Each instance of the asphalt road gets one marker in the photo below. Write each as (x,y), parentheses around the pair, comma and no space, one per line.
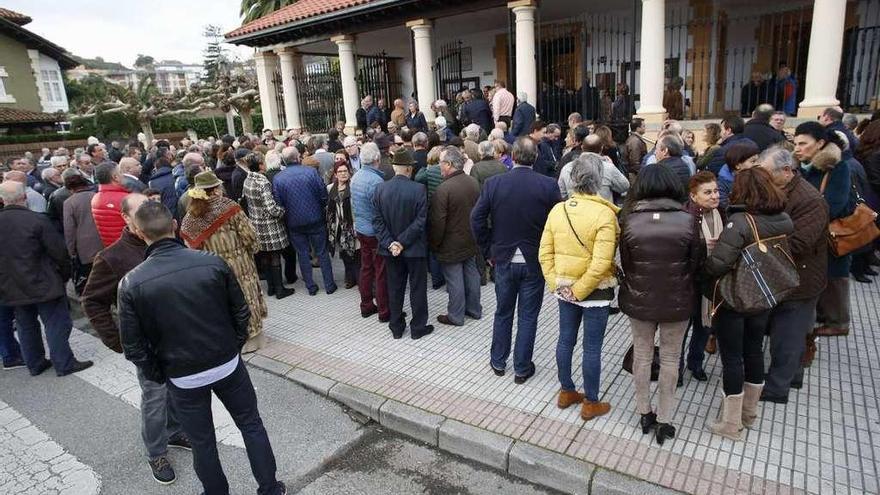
(69,435)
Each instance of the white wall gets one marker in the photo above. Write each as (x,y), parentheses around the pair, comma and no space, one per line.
(50,85)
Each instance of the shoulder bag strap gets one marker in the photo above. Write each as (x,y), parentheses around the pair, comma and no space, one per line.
(576,236)
(754,227)
(824,183)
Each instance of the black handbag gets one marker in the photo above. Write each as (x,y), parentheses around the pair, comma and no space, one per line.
(655,363)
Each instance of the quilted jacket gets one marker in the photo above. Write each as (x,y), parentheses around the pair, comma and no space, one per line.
(107,210)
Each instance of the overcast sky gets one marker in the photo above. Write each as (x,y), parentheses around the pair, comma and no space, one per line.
(118,30)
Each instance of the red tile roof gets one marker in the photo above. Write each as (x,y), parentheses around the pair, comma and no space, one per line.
(19,116)
(302,9)
(14,16)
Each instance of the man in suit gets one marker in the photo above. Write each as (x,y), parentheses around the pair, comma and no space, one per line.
(399,221)
(507,221)
(523,117)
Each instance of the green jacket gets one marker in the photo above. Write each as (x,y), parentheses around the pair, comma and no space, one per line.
(484,169)
(431,177)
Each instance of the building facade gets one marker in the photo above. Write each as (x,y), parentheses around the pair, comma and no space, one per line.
(317,58)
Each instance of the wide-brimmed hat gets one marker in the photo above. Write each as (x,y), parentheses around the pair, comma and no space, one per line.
(402,157)
(206,180)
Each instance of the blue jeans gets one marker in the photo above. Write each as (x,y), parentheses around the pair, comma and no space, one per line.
(9,349)
(193,410)
(313,237)
(595,320)
(515,284)
(55,316)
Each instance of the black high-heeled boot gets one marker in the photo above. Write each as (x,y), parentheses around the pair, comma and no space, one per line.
(647,422)
(664,431)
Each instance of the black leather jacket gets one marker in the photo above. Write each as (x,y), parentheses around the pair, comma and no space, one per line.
(181,312)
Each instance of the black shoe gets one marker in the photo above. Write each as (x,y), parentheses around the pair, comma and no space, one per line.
(276,286)
(427,331)
(437,286)
(162,471)
(313,292)
(13,364)
(396,335)
(520,379)
(444,319)
(664,431)
(776,399)
(333,289)
(797,384)
(283,488)
(871,272)
(863,279)
(370,312)
(497,371)
(180,441)
(77,367)
(40,368)
(680,382)
(648,422)
(613,311)
(700,375)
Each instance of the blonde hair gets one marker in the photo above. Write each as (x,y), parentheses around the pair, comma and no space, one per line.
(434,155)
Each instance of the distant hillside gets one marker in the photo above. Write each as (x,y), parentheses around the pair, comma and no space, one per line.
(98,63)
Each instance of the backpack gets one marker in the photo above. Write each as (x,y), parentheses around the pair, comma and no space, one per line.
(763,276)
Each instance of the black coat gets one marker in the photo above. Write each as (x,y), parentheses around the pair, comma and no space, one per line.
(762,134)
(34,265)
(401,215)
(477,111)
(523,118)
(181,312)
(680,167)
(661,253)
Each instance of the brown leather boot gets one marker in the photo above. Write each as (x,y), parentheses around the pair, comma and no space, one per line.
(590,409)
(568,398)
(825,331)
(810,351)
(711,345)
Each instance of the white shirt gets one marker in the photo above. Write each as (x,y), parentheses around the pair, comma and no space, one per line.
(207,377)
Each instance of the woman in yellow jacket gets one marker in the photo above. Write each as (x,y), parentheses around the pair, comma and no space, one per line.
(577,258)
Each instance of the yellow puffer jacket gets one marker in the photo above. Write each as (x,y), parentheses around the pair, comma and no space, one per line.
(564,261)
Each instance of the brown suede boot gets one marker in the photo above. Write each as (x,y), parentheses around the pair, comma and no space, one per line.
(568,398)
(729,425)
(711,345)
(826,331)
(590,410)
(810,351)
(751,394)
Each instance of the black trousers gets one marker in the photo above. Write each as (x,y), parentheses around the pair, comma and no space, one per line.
(397,271)
(741,344)
(193,409)
(790,322)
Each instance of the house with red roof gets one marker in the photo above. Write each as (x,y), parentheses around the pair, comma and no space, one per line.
(608,60)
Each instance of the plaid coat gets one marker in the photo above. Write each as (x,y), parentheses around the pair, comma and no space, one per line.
(266,215)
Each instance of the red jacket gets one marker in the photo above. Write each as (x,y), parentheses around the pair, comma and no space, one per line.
(107,211)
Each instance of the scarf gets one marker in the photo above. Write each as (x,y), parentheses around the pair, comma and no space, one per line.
(196,230)
(706,305)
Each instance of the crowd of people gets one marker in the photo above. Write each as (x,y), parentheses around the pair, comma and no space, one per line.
(178,237)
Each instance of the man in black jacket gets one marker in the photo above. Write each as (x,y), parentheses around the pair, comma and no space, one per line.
(33,270)
(195,351)
(758,129)
(160,428)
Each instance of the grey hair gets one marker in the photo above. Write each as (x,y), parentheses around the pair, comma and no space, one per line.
(673,144)
(496,134)
(453,156)
(420,139)
(586,173)
(850,120)
(48,173)
(273,160)
(290,155)
(370,154)
(472,131)
(13,193)
(525,152)
(523,96)
(486,149)
(778,157)
(59,160)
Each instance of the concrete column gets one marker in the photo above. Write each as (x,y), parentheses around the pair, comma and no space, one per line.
(526,62)
(423,34)
(348,73)
(288,58)
(651,61)
(823,59)
(265,64)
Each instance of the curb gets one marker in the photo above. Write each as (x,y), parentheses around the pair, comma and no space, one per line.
(520,459)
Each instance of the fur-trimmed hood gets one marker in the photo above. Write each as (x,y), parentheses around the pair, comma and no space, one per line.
(827,158)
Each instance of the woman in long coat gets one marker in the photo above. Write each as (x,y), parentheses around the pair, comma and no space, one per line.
(217,224)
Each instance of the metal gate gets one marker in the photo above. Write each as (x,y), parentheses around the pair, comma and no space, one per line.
(448,68)
(377,76)
(279,98)
(319,88)
(859,83)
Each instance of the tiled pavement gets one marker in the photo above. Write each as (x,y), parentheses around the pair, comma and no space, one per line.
(825,440)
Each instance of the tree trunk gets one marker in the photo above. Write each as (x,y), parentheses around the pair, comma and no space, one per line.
(147,129)
(247,123)
(230,123)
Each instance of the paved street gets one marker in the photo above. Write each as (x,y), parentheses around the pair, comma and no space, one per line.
(826,440)
(80,435)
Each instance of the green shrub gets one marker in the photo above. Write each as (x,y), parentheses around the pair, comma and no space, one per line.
(114,126)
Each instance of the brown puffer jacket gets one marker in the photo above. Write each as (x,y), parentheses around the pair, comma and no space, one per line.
(808,243)
(661,253)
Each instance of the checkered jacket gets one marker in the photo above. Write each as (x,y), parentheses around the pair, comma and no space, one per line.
(266,215)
